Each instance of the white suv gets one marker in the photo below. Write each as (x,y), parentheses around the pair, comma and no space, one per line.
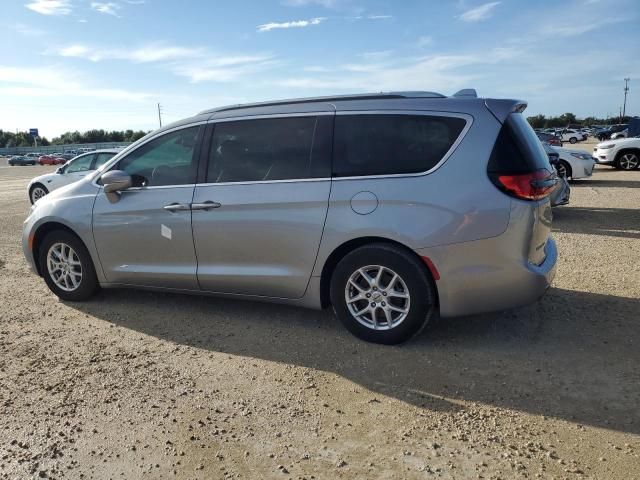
(623,153)
(572,136)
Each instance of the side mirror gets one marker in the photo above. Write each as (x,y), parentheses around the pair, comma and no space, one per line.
(115,181)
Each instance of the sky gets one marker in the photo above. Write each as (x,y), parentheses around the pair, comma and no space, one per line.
(84,64)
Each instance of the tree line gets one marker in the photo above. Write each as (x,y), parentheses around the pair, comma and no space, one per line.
(23,139)
(542,121)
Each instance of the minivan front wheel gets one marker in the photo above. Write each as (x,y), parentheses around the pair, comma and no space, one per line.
(67,267)
(382,294)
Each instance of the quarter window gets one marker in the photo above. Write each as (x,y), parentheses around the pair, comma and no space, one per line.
(264,149)
(391,144)
(166,160)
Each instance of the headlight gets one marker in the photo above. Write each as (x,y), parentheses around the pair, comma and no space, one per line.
(607,146)
(581,156)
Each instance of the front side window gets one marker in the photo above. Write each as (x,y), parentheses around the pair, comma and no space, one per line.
(390,144)
(262,150)
(165,160)
(80,164)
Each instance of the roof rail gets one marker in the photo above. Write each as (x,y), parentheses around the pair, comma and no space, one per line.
(329,99)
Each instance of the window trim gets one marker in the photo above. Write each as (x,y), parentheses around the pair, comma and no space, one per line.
(117,157)
(427,113)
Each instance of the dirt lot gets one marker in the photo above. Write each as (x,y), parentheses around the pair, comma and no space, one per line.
(143,385)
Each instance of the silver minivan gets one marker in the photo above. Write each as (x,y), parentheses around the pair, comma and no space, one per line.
(387,207)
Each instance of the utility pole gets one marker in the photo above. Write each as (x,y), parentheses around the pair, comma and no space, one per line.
(160,115)
(626,89)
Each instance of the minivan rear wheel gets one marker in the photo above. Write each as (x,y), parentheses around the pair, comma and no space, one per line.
(382,293)
(67,267)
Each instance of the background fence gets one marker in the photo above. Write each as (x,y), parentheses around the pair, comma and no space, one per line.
(61,148)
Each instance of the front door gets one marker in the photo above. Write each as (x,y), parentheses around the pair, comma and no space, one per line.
(259,216)
(144,238)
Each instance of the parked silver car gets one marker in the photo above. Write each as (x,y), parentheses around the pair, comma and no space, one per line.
(388,207)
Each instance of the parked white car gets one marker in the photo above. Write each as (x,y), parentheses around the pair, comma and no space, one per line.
(623,153)
(572,136)
(70,172)
(623,134)
(574,164)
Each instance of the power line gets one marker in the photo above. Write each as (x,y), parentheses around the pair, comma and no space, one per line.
(626,90)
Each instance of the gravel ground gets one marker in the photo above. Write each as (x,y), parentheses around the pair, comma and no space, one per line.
(144,385)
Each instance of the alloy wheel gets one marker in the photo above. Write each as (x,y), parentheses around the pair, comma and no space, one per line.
(64,267)
(37,193)
(628,161)
(377,297)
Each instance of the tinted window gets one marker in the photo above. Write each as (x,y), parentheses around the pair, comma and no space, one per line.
(80,164)
(166,160)
(391,144)
(102,158)
(264,149)
(517,148)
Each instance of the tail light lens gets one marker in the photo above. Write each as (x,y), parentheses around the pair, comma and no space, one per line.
(526,186)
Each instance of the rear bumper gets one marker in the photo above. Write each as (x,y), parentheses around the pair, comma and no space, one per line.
(482,276)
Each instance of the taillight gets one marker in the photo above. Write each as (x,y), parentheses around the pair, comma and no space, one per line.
(526,186)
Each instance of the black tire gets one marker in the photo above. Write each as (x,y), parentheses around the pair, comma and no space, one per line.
(88,283)
(573,140)
(413,273)
(635,156)
(32,190)
(567,169)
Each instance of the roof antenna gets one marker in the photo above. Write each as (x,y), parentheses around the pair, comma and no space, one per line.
(466,92)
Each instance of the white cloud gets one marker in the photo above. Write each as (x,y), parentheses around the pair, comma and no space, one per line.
(423,41)
(196,64)
(292,24)
(483,12)
(108,8)
(27,30)
(578,28)
(50,7)
(438,72)
(223,69)
(379,17)
(145,54)
(53,82)
(304,3)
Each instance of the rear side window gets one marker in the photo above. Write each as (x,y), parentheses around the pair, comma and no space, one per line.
(270,149)
(391,144)
(517,149)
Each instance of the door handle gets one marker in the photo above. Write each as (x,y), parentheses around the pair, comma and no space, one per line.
(176,207)
(208,205)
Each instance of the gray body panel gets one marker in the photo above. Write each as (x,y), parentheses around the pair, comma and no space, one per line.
(263,239)
(141,243)
(271,240)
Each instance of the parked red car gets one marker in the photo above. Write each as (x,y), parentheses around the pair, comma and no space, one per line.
(50,160)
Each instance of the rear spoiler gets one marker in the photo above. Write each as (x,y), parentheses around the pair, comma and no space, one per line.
(502,108)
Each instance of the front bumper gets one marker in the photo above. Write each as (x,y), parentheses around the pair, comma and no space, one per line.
(605,156)
(28,231)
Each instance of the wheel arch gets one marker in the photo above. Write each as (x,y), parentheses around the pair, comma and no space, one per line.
(41,232)
(350,245)
(624,150)
(567,165)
